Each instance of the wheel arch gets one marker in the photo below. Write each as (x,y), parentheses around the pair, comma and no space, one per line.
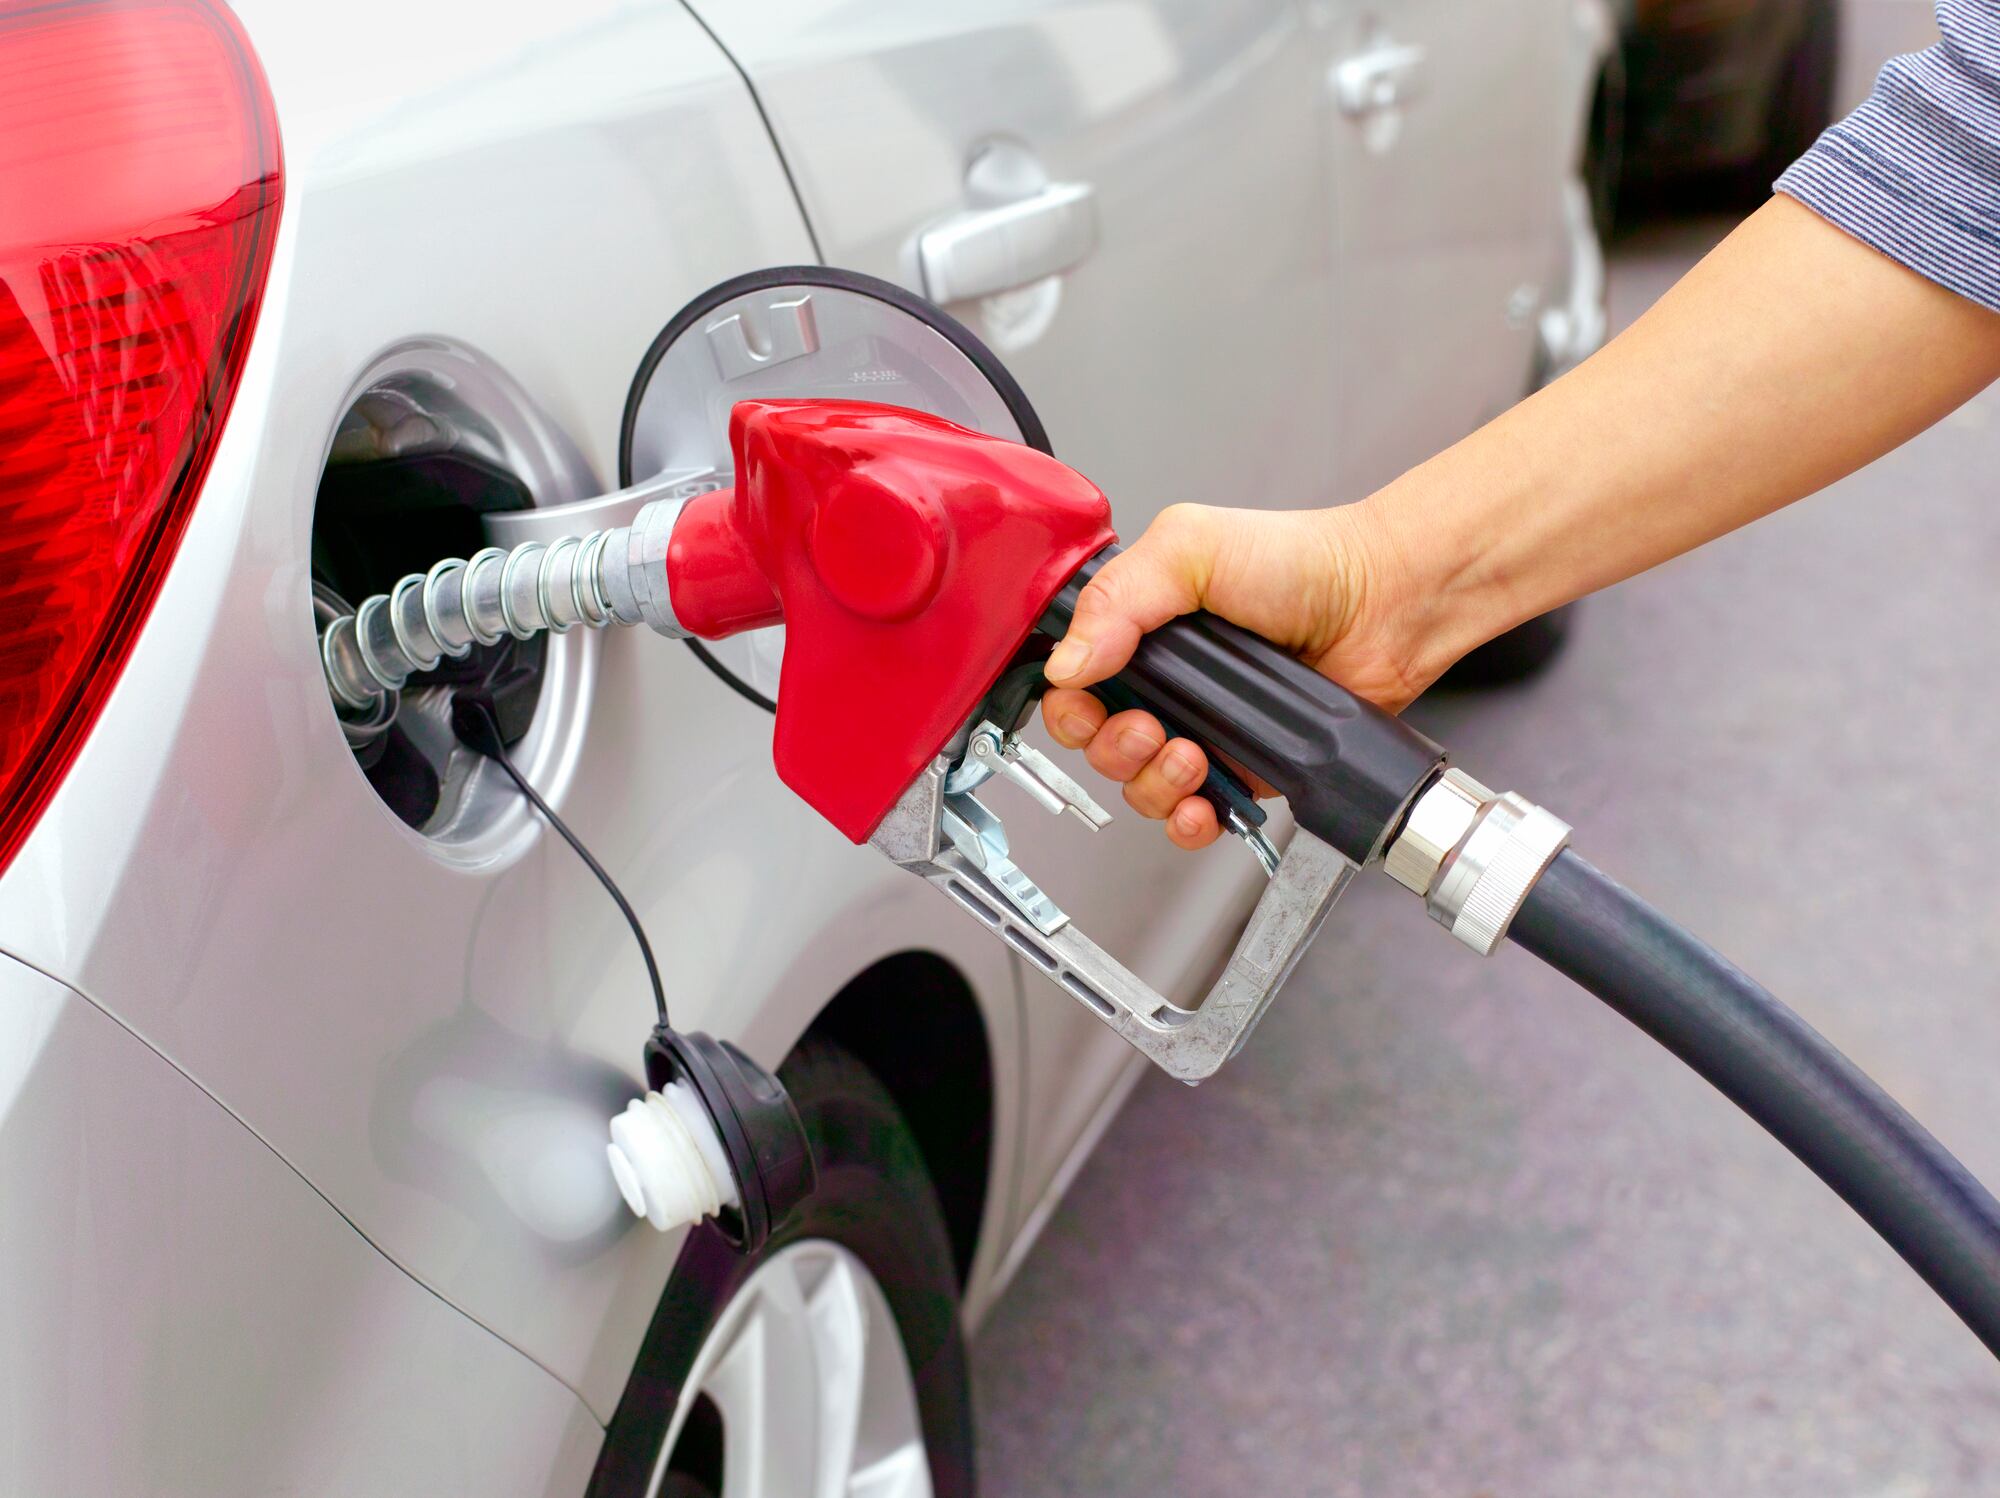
(913,1020)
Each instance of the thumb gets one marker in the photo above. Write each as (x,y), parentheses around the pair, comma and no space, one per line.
(1162,576)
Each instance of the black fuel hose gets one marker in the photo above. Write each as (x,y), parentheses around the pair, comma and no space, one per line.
(1350,772)
(1781,1072)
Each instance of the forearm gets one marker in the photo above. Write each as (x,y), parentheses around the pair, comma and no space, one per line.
(1791,356)
(1788,358)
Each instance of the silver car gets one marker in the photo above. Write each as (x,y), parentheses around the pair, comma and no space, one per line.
(307,1046)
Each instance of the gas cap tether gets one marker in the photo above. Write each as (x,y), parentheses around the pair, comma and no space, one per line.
(717,1136)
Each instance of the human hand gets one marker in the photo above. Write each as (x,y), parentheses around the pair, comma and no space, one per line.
(1321,583)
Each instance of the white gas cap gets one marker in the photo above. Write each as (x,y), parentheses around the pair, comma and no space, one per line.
(668,1160)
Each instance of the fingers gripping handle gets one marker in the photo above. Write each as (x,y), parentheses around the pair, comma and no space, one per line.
(1348,769)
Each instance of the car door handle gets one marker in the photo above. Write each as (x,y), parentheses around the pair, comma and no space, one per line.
(1377,79)
(988,250)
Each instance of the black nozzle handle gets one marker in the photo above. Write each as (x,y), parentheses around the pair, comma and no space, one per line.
(1348,769)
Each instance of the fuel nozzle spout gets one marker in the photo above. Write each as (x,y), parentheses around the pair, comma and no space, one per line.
(716,1137)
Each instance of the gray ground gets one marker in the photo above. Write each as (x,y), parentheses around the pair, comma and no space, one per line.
(1451,1228)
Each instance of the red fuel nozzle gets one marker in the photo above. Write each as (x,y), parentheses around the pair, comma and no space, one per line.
(908,557)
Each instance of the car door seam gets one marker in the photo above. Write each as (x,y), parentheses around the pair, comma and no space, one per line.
(770,132)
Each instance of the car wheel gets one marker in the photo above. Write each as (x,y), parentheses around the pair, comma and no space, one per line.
(830,1362)
(1522,652)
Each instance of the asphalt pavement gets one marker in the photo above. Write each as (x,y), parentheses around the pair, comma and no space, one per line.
(1448,1227)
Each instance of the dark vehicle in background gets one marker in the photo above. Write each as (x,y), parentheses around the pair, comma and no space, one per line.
(1711,96)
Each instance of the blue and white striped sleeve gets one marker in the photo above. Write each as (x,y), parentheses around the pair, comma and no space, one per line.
(1915,171)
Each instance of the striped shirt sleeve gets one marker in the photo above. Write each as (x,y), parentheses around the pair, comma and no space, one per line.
(1915,171)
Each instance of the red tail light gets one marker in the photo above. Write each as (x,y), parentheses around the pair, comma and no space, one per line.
(139,190)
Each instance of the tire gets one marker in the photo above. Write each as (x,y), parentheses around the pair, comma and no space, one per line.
(874,1202)
(1802,97)
(1603,166)
(1523,652)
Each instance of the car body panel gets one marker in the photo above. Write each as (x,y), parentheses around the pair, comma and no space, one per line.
(185,1314)
(1446,206)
